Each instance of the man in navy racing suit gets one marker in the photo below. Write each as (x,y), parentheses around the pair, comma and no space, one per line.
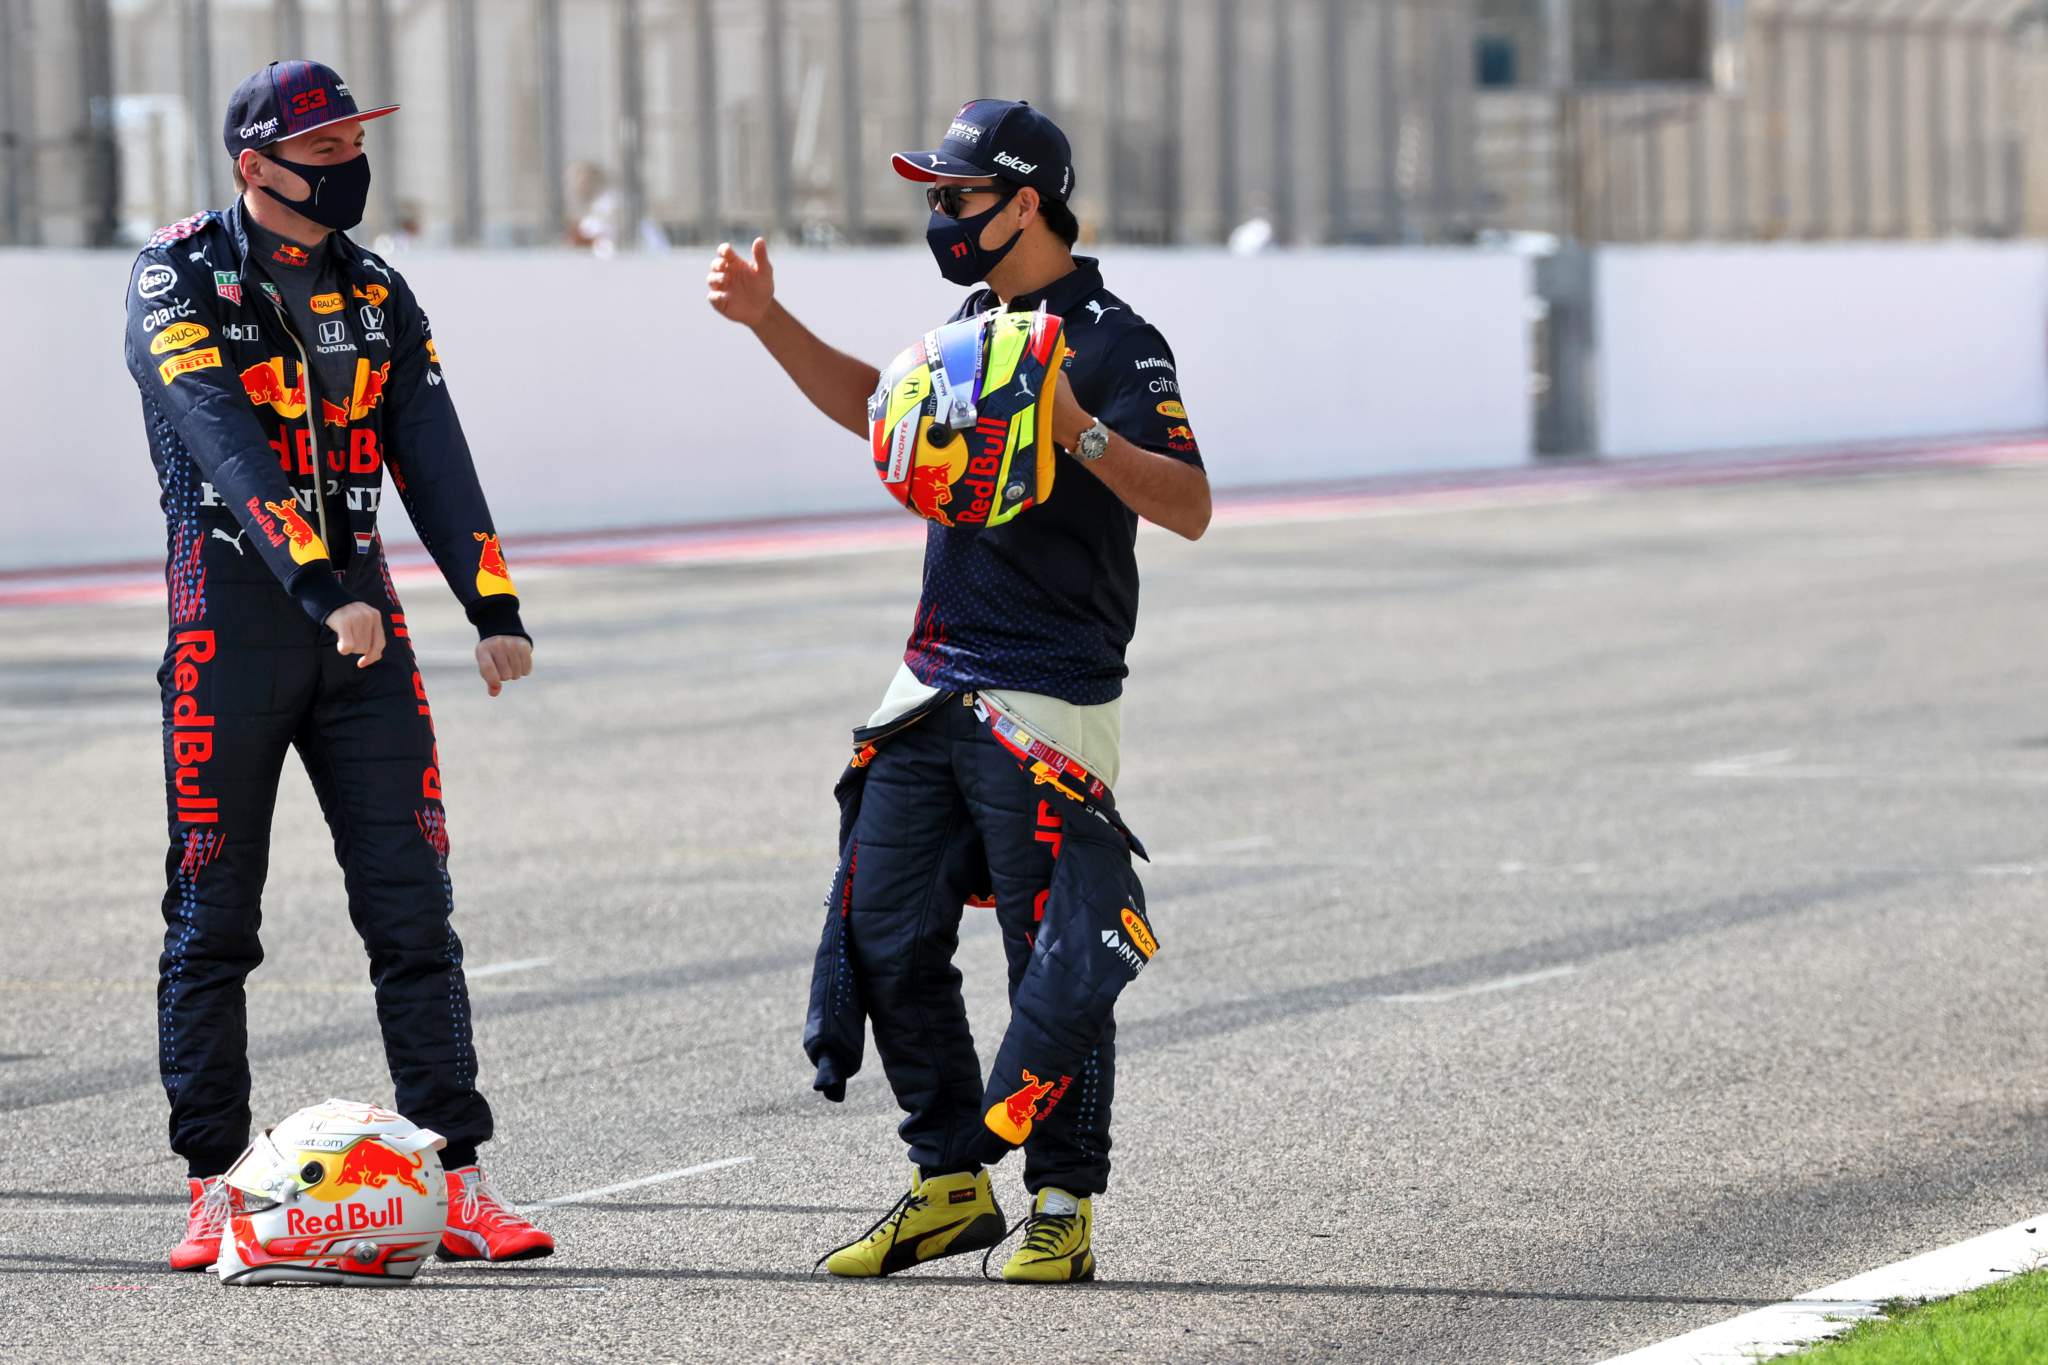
(282,369)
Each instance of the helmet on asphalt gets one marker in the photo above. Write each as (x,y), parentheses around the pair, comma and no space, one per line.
(339,1193)
(962,420)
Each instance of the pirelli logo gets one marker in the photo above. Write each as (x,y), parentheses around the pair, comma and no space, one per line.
(208,359)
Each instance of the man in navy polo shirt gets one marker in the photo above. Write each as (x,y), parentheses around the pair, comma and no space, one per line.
(1022,626)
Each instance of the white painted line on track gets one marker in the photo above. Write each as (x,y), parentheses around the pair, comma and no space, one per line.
(1502,983)
(1832,1309)
(1204,854)
(501,968)
(1773,765)
(1742,765)
(641,1183)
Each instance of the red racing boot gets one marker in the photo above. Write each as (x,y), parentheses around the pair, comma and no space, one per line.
(212,1201)
(483,1227)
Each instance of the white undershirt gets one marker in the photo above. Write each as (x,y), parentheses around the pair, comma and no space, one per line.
(1092,734)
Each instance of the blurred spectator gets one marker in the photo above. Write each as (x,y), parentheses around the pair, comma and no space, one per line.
(1251,237)
(594,205)
(403,237)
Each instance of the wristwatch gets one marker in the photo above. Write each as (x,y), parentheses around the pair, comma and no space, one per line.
(1092,444)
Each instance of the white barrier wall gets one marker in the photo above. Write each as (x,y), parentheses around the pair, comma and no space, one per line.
(606,393)
(1716,348)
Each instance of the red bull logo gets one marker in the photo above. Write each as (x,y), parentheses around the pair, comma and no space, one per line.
(371,1163)
(369,388)
(931,492)
(288,254)
(349,1217)
(943,473)
(492,577)
(191,729)
(1013,1118)
(1180,433)
(306,543)
(264,383)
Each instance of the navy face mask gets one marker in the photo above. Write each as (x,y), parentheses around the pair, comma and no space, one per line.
(956,244)
(340,191)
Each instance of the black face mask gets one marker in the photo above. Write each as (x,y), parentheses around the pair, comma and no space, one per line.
(956,244)
(339,193)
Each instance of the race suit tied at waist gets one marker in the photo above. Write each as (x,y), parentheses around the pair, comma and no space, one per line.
(835,1031)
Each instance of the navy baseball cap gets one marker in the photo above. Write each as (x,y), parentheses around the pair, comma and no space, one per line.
(286,99)
(1007,139)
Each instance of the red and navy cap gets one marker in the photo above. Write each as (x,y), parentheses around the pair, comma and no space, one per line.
(286,99)
(1003,138)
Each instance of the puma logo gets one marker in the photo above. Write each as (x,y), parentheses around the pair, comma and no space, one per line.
(1099,310)
(234,540)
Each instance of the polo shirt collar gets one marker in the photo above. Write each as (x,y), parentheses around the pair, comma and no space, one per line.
(1065,293)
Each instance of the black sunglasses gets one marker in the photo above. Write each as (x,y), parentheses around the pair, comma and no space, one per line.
(950,199)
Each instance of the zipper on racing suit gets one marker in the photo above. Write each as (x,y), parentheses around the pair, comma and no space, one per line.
(312,428)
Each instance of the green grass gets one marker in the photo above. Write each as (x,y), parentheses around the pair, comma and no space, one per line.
(2001,1324)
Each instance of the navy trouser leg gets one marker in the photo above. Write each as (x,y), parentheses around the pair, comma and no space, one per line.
(233,690)
(368,745)
(902,927)
(1024,827)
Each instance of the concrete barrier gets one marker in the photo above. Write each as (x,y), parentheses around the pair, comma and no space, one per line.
(606,393)
(1725,347)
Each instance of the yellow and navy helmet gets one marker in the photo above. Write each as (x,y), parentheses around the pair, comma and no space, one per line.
(962,420)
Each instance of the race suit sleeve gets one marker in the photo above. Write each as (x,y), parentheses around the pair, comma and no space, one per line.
(431,465)
(173,349)
(1144,404)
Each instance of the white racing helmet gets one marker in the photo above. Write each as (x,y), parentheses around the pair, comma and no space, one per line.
(339,1193)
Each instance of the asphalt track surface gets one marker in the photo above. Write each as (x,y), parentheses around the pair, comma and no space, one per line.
(1580,922)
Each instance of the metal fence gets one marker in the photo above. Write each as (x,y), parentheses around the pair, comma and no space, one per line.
(635,124)
(1847,119)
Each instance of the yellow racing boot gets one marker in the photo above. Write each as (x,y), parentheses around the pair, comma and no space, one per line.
(1058,1241)
(947,1215)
